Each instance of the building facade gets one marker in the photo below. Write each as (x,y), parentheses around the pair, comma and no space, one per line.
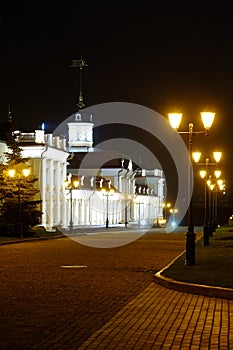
(111,190)
(115,192)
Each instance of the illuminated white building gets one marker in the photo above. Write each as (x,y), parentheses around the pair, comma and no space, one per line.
(47,160)
(138,193)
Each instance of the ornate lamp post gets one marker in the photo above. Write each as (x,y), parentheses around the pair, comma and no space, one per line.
(214,185)
(12,173)
(165,206)
(107,192)
(207,227)
(175,120)
(219,187)
(70,186)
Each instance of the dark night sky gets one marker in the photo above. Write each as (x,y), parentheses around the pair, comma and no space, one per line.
(150,53)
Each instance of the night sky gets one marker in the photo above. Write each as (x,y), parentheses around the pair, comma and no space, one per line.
(154,54)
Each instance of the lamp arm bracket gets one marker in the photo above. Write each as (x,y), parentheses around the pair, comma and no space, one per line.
(194,132)
(209,164)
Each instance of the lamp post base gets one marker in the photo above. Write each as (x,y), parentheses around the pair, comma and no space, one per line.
(20,228)
(210,229)
(190,246)
(215,225)
(71,226)
(206,233)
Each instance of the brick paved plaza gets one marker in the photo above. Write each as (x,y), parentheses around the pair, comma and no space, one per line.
(58,294)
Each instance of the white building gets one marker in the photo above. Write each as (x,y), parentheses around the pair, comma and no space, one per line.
(47,160)
(138,194)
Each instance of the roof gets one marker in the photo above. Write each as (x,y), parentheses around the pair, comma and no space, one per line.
(97,160)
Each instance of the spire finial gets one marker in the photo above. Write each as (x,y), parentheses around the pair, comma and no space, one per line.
(9,116)
(79,64)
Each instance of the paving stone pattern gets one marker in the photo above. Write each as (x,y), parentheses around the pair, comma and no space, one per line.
(160,318)
(112,303)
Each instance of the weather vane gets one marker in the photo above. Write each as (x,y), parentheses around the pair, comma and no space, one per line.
(79,64)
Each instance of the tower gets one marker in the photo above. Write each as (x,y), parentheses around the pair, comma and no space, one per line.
(79,64)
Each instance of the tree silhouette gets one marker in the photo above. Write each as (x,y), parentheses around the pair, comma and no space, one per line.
(18,208)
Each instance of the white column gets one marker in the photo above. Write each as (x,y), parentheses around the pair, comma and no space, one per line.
(57,187)
(64,198)
(50,194)
(43,191)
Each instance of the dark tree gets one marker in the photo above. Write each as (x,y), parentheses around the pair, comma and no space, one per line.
(19,209)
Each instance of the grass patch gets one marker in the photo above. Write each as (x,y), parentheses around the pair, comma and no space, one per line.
(214,263)
(40,232)
(36,232)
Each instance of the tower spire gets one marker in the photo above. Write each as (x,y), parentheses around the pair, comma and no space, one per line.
(9,116)
(79,64)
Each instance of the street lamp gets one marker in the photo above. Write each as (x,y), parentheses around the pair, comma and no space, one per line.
(165,206)
(208,227)
(12,173)
(173,214)
(107,192)
(215,185)
(219,187)
(175,120)
(70,186)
